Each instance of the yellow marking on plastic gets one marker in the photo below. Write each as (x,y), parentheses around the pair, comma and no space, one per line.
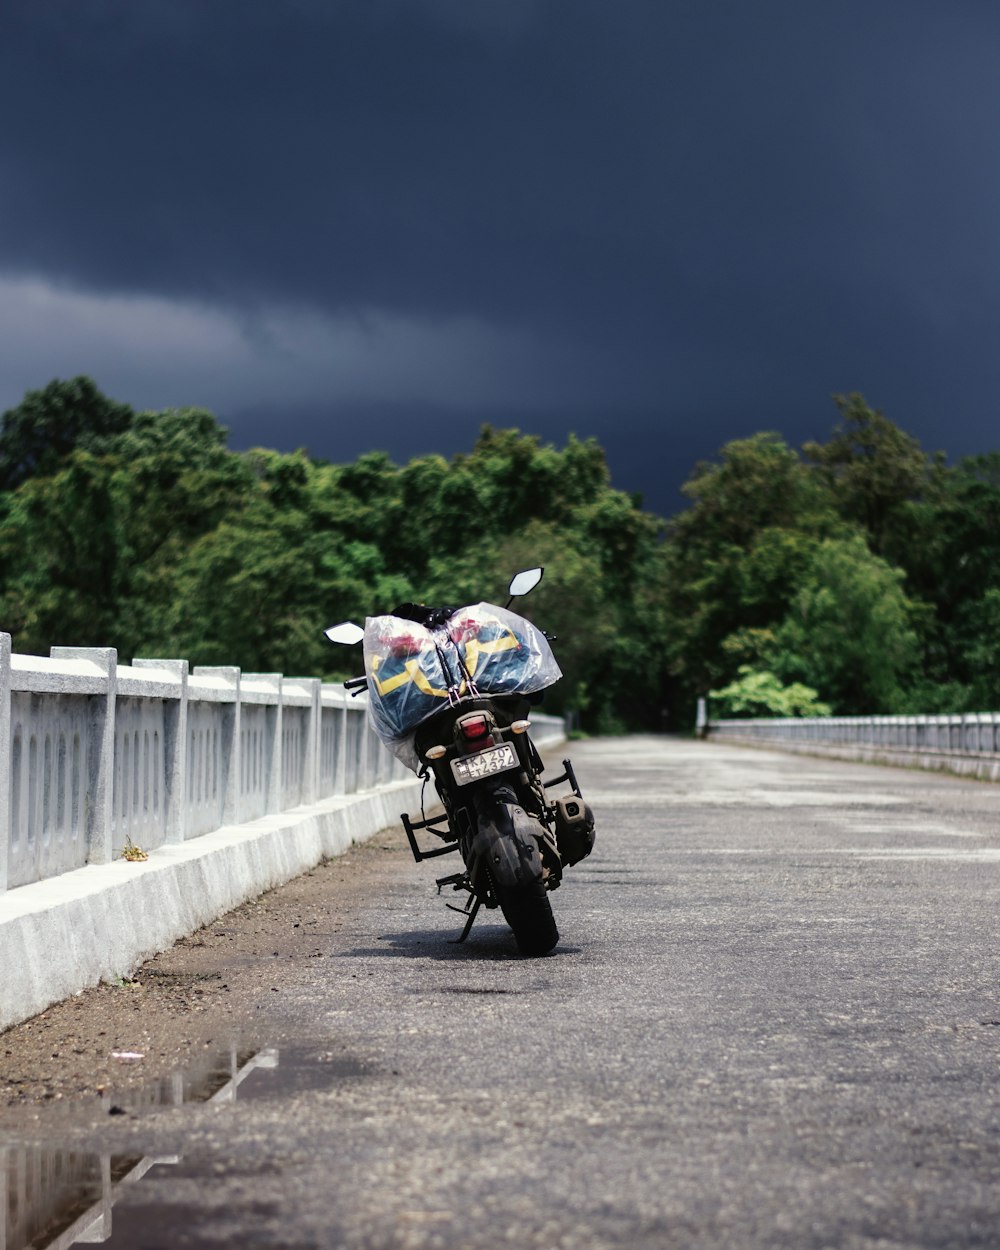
(473,652)
(411,673)
(421,682)
(474,649)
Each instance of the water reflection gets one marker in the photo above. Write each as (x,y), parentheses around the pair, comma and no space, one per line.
(52,1199)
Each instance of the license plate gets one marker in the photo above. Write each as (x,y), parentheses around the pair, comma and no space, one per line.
(484,763)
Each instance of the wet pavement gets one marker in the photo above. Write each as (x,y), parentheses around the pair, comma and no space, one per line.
(57,1197)
(772,1020)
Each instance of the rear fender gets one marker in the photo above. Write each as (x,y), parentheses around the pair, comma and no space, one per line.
(505,841)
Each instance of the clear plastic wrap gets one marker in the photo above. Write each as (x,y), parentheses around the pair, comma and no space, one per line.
(413,670)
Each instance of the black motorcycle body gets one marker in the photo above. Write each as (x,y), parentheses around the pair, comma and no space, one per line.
(513,837)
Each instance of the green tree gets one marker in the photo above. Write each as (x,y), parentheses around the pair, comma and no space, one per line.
(735,558)
(62,580)
(246,594)
(515,502)
(568,603)
(952,559)
(875,471)
(143,531)
(299,554)
(88,553)
(977,625)
(760,693)
(849,633)
(37,435)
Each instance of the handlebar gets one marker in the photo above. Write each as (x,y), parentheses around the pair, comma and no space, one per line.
(356,684)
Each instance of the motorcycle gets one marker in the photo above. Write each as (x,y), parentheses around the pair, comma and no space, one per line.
(450,691)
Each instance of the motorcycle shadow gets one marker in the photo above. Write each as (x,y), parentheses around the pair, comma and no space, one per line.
(487,944)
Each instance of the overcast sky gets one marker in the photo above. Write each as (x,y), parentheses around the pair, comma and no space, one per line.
(358,224)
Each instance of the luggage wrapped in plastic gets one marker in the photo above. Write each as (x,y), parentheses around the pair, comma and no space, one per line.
(413,670)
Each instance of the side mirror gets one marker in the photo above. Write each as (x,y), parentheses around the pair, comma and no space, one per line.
(346,633)
(524,581)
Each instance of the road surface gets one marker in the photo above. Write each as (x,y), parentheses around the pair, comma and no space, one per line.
(773,1020)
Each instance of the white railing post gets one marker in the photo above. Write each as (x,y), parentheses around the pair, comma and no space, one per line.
(340,749)
(229,745)
(175,753)
(5,748)
(101,764)
(314,739)
(364,756)
(274,766)
(276,775)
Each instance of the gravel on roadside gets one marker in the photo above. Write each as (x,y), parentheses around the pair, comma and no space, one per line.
(206,988)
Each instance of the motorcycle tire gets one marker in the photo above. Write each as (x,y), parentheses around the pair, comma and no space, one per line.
(506,847)
(527,910)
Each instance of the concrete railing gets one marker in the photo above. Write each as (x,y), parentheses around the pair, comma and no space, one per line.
(233,783)
(968,743)
(95,754)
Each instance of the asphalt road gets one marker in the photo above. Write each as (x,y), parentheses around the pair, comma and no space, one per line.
(772,1021)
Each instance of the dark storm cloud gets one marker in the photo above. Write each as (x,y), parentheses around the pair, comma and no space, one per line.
(707,217)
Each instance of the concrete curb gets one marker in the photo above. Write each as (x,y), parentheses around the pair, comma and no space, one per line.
(60,936)
(983,767)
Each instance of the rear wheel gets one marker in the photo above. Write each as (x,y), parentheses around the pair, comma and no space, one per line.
(506,849)
(527,910)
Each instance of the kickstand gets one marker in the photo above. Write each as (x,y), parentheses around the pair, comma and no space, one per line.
(468,924)
(460,881)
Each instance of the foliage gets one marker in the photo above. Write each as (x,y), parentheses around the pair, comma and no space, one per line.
(760,693)
(89,552)
(849,628)
(875,472)
(50,423)
(734,559)
(856,575)
(978,625)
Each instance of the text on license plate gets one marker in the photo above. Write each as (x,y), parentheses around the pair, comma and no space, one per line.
(484,763)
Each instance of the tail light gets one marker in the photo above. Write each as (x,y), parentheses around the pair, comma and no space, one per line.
(474,727)
(474,730)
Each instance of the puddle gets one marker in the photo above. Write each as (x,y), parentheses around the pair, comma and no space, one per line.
(51,1199)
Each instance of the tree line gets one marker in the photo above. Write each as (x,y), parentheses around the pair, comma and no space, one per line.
(853,576)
